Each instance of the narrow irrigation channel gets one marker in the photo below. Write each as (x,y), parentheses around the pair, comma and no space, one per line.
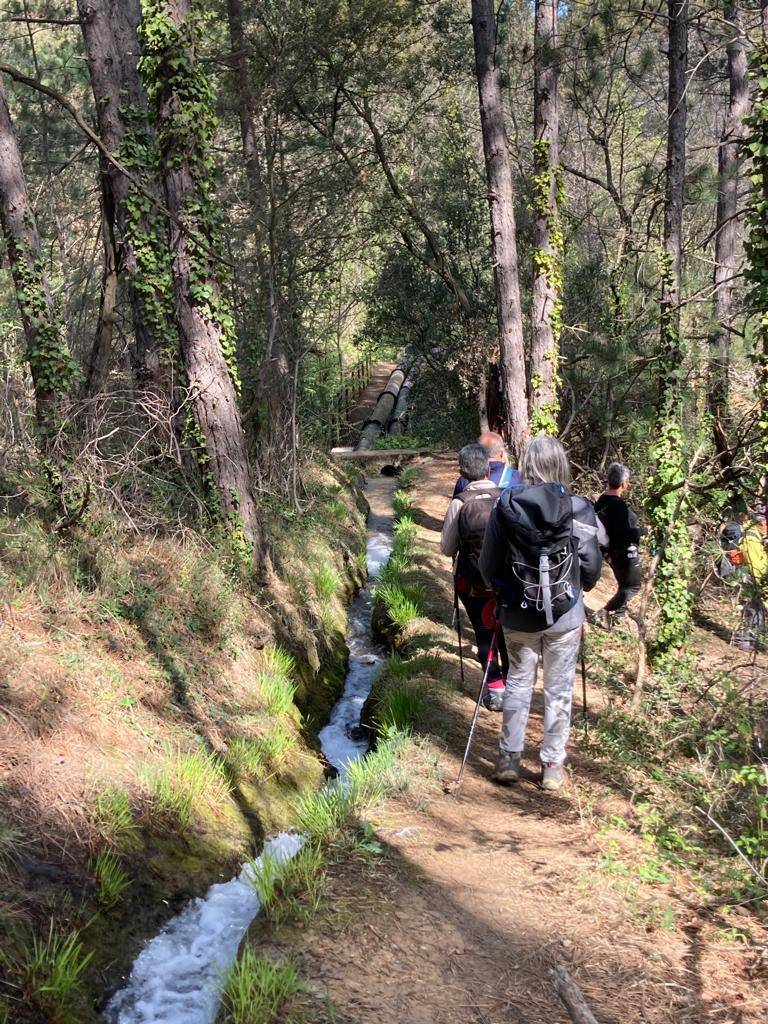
(177,978)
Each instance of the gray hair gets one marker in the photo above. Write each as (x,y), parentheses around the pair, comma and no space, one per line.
(618,474)
(544,462)
(473,461)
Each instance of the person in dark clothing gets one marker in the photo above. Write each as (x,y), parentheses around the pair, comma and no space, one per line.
(462,537)
(624,535)
(500,472)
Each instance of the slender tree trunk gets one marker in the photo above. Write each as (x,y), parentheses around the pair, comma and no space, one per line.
(501,200)
(110,31)
(669,526)
(182,105)
(546,312)
(52,366)
(99,359)
(727,221)
(275,378)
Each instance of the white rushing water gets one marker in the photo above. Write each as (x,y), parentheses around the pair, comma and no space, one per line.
(340,739)
(177,978)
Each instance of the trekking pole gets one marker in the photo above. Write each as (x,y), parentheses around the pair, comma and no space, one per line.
(453,787)
(457,616)
(583,680)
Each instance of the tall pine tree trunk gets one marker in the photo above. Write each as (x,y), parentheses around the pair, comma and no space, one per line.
(727,220)
(52,366)
(182,103)
(501,199)
(667,511)
(275,377)
(546,312)
(140,231)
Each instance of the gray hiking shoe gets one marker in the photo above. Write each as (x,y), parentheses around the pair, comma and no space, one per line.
(552,777)
(507,769)
(493,698)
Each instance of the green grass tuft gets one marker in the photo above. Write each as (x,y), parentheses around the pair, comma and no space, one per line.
(404,602)
(402,505)
(256,989)
(400,706)
(275,682)
(51,968)
(111,878)
(328,582)
(184,781)
(114,817)
(408,478)
(291,889)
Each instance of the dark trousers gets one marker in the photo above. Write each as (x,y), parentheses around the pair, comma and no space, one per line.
(627,573)
(480,611)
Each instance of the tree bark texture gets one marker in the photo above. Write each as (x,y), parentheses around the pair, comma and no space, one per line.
(49,359)
(110,32)
(547,235)
(673,200)
(185,127)
(275,377)
(727,220)
(501,200)
(100,356)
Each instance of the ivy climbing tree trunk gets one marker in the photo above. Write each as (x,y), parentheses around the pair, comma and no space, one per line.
(501,200)
(181,100)
(139,229)
(668,519)
(275,376)
(727,219)
(50,362)
(546,311)
(757,243)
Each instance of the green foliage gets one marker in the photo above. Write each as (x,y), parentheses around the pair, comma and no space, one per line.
(256,990)
(404,602)
(114,817)
(756,245)
(275,681)
(400,706)
(290,890)
(253,758)
(111,878)
(183,782)
(328,582)
(402,504)
(408,478)
(50,968)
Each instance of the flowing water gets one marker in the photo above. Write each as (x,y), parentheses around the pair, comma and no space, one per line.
(176,979)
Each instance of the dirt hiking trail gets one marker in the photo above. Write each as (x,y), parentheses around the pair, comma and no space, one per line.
(478,897)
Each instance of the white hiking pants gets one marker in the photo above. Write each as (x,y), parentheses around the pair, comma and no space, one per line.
(560,652)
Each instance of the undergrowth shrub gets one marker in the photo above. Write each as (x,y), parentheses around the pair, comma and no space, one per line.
(256,989)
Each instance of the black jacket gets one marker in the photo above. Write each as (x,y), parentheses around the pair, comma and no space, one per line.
(620,522)
(493,564)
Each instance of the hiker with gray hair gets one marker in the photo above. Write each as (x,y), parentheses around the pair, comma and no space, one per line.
(462,538)
(624,533)
(539,555)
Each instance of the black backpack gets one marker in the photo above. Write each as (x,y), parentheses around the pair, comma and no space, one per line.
(542,575)
(475,511)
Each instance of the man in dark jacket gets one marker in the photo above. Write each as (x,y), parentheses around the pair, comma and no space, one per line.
(462,538)
(624,535)
(539,555)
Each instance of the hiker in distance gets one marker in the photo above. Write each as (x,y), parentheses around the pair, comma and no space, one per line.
(500,471)
(540,553)
(624,533)
(462,538)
